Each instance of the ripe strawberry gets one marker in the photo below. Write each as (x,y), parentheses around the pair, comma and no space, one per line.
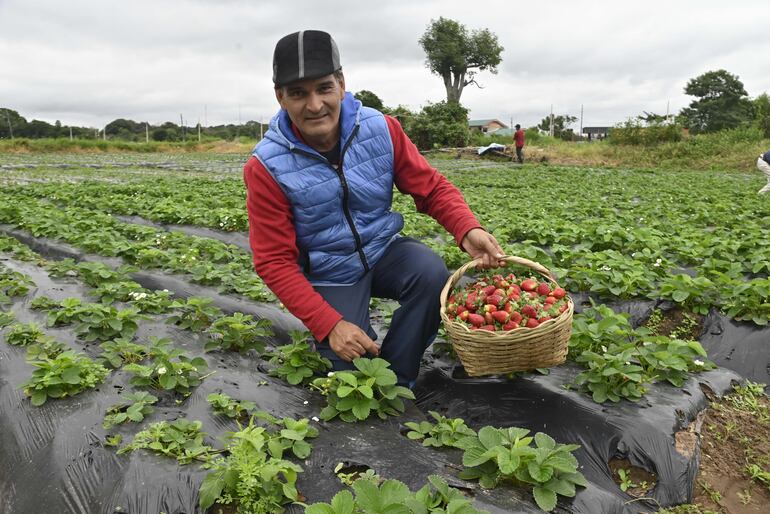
(461,309)
(550,300)
(470,302)
(564,307)
(559,293)
(510,325)
(489,308)
(451,299)
(490,328)
(500,316)
(532,294)
(489,290)
(543,289)
(532,323)
(451,308)
(528,311)
(464,315)
(515,317)
(494,300)
(508,307)
(476,319)
(529,284)
(488,319)
(543,319)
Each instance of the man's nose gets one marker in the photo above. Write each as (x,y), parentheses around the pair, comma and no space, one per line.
(314,102)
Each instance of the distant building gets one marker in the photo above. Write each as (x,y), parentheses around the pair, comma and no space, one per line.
(487,126)
(596,132)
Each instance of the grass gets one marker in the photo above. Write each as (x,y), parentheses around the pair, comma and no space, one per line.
(62,145)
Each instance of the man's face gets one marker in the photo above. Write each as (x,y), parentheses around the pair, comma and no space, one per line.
(314,107)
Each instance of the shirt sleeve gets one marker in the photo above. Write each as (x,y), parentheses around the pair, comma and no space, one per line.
(275,253)
(433,194)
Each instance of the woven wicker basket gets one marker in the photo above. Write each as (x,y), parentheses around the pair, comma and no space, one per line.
(490,353)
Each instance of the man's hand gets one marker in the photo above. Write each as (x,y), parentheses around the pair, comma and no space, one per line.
(481,244)
(348,341)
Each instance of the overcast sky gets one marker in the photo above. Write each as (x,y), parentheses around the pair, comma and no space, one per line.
(87,62)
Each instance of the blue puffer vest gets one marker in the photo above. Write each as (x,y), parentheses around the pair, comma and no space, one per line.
(342,218)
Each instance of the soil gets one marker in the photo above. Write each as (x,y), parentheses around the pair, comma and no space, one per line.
(730,439)
(642,480)
(678,323)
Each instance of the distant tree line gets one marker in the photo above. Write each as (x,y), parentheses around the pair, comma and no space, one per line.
(13,125)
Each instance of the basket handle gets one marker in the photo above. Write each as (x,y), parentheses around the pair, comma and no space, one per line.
(515,260)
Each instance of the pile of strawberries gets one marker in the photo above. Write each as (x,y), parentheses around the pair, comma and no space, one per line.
(500,303)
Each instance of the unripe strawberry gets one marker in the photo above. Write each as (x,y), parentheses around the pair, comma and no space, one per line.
(488,319)
(543,289)
(451,308)
(508,307)
(464,315)
(489,308)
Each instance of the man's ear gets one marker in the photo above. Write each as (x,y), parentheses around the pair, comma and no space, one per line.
(279,96)
(341,81)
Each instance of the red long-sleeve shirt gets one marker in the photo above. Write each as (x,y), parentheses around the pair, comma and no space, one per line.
(273,240)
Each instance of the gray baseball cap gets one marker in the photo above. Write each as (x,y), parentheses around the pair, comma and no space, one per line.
(307,54)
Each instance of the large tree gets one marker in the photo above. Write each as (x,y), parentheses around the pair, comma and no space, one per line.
(456,55)
(369,99)
(561,125)
(722,102)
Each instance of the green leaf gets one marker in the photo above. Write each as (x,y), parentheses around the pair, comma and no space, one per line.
(342,503)
(490,437)
(210,489)
(544,498)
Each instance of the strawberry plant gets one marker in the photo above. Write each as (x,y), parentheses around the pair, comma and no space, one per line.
(43,303)
(444,432)
(13,283)
(249,478)
(135,407)
(195,313)
(151,302)
(394,496)
(297,362)
(598,327)
(697,294)
(181,439)
(663,358)
(6,318)
(288,434)
(102,322)
(170,369)
(65,375)
(22,334)
(353,395)
(122,351)
(507,454)
(123,291)
(748,301)
(612,375)
(45,348)
(223,404)
(239,332)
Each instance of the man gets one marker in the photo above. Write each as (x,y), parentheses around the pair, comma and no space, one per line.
(518,138)
(763,164)
(323,236)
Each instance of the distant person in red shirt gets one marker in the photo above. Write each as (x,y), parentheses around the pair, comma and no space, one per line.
(518,138)
(322,230)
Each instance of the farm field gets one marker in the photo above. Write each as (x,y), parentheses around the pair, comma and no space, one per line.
(114,267)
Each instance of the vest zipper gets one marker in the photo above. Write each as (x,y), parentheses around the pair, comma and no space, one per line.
(345,195)
(345,207)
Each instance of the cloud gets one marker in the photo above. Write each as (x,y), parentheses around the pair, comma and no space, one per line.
(87,62)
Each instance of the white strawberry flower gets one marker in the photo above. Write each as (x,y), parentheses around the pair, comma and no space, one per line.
(162,370)
(330,374)
(698,362)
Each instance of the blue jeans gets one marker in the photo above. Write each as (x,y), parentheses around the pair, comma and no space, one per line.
(411,273)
